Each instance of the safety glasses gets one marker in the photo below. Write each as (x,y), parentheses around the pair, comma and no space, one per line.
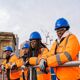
(60,29)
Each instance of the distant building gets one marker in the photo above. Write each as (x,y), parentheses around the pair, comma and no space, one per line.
(8,39)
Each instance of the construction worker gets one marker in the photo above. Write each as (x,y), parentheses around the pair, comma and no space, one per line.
(79,59)
(37,49)
(23,59)
(64,49)
(9,64)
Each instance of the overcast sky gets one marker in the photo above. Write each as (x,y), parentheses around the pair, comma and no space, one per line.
(25,16)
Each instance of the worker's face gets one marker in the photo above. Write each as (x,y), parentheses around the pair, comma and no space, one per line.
(25,50)
(60,32)
(7,52)
(33,43)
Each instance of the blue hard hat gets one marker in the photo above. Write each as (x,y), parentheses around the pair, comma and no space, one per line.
(8,48)
(26,45)
(61,23)
(35,35)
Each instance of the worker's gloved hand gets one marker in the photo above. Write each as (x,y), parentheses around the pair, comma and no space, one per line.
(43,65)
(13,66)
(22,67)
(2,68)
(26,63)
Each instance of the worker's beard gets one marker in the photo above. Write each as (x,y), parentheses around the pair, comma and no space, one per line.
(7,57)
(60,34)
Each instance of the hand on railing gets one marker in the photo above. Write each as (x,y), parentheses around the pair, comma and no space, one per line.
(43,65)
(13,66)
(26,63)
(2,68)
(23,67)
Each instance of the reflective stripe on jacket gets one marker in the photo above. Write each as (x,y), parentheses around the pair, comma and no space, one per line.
(20,63)
(66,50)
(13,59)
(34,61)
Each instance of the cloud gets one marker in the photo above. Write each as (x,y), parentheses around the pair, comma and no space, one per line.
(4,18)
(25,16)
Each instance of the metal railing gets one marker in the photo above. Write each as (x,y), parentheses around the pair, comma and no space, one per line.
(67,64)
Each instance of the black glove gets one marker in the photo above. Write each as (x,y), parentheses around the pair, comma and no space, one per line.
(44,70)
(7,57)
(26,63)
(13,67)
(43,65)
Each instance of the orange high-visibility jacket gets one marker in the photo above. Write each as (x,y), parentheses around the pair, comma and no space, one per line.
(79,59)
(20,63)
(66,50)
(34,61)
(13,75)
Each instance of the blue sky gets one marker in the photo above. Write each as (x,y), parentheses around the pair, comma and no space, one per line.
(25,16)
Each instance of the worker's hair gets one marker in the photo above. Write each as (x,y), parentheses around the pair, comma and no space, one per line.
(37,50)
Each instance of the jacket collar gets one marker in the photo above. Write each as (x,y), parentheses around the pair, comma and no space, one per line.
(64,35)
(12,54)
